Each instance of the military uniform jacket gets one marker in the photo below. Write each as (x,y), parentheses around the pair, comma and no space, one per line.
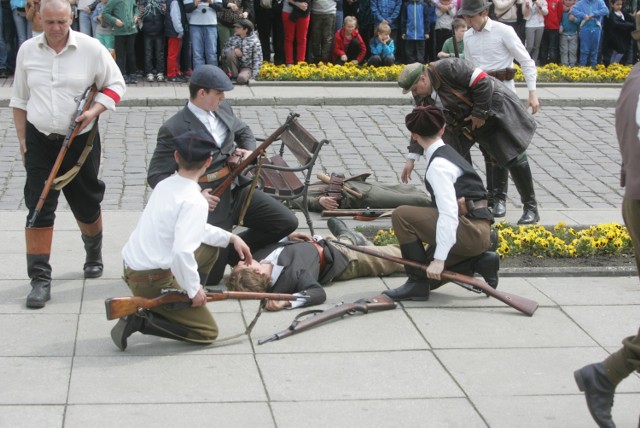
(163,163)
(301,273)
(508,129)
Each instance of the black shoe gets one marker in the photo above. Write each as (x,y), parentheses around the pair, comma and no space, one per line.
(40,294)
(93,266)
(529,216)
(487,265)
(499,208)
(124,328)
(4,73)
(340,230)
(133,79)
(410,290)
(598,391)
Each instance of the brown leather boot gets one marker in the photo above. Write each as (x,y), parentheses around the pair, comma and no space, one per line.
(92,238)
(38,241)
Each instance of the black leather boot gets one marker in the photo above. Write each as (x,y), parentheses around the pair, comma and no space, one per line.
(124,328)
(599,392)
(39,271)
(418,285)
(339,229)
(38,240)
(500,184)
(147,323)
(92,238)
(522,178)
(488,167)
(486,265)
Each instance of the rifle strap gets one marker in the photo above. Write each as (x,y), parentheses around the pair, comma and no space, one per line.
(64,179)
(249,327)
(254,183)
(462,98)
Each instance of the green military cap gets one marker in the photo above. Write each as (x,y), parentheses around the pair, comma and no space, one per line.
(409,76)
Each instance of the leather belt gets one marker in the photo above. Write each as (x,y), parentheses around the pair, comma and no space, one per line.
(474,205)
(147,276)
(213,176)
(504,74)
(323,260)
(56,137)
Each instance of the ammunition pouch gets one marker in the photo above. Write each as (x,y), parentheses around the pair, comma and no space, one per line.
(503,74)
(335,186)
(458,126)
(466,206)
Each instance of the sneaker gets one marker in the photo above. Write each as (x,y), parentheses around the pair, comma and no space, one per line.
(150,77)
(133,79)
(160,77)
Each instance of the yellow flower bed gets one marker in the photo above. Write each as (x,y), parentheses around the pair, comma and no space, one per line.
(561,241)
(615,73)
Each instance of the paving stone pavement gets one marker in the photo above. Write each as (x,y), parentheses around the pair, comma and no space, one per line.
(574,155)
(459,360)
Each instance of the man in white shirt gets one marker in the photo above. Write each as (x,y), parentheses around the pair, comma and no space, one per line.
(52,70)
(173,247)
(457,229)
(493,47)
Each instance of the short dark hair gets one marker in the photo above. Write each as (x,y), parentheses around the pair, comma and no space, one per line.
(190,165)
(193,90)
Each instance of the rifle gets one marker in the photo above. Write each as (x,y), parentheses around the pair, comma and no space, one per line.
(118,307)
(82,106)
(521,304)
(377,303)
(218,191)
(361,215)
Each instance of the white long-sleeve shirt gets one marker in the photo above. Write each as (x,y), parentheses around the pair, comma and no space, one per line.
(442,175)
(46,83)
(171,228)
(495,48)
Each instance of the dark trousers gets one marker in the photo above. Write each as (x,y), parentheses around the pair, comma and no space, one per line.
(266,221)
(414,51)
(270,30)
(126,53)
(84,193)
(549,47)
(154,49)
(185,52)
(352,51)
(442,34)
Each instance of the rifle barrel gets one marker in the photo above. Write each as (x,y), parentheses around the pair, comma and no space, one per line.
(519,303)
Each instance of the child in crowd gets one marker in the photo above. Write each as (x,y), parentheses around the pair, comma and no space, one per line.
(550,37)
(445,13)
(242,55)
(104,31)
(33,16)
(617,31)
(382,47)
(348,44)
(569,35)
(448,49)
(174,28)
(295,20)
(590,13)
(414,24)
(386,11)
(123,15)
(534,12)
(152,14)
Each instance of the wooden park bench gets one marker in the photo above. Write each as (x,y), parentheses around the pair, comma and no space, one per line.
(286,175)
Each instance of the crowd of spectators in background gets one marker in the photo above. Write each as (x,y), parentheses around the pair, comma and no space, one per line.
(162,40)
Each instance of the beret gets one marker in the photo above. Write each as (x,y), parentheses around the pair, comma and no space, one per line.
(425,121)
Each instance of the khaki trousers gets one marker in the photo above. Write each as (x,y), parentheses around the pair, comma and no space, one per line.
(199,322)
(420,223)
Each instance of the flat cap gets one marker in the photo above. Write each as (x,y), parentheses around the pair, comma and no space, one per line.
(472,7)
(211,77)
(409,76)
(425,121)
(194,146)
(244,23)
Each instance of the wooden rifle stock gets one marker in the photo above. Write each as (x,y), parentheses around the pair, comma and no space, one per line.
(362,215)
(218,191)
(377,303)
(118,307)
(522,304)
(84,103)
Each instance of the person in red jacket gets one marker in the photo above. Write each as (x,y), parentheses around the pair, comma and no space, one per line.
(550,44)
(348,44)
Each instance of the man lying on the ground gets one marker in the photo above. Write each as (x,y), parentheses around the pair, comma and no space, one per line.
(345,193)
(300,265)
